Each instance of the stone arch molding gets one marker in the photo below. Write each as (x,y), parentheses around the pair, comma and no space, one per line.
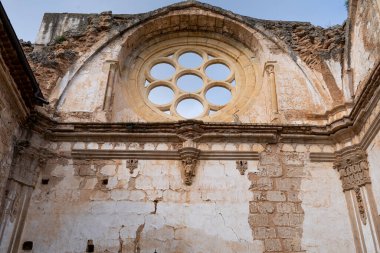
(187,19)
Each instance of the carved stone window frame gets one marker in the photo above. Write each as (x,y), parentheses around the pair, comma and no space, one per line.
(227,51)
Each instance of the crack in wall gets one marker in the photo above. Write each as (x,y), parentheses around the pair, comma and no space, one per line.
(136,242)
(121,242)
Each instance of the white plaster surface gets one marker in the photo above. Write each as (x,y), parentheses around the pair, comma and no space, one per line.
(374,168)
(326,227)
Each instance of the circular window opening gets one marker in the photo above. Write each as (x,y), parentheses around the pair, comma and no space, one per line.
(190,108)
(190,60)
(218,95)
(161,95)
(162,71)
(218,71)
(190,83)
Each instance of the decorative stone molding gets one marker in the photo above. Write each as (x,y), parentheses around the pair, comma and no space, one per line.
(359,200)
(189,157)
(132,164)
(269,69)
(242,166)
(353,169)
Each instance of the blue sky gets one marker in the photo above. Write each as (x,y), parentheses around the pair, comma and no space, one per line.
(26,15)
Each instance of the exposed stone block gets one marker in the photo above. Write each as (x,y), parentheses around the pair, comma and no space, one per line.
(265,207)
(257,220)
(276,196)
(86,170)
(253,207)
(285,207)
(281,219)
(293,196)
(292,158)
(259,196)
(272,245)
(289,232)
(270,171)
(285,184)
(262,183)
(296,219)
(292,244)
(295,171)
(263,233)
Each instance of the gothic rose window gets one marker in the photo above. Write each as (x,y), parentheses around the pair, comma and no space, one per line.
(189,83)
(179,76)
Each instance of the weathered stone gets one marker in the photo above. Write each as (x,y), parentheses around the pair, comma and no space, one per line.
(296,219)
(285,207)
(272,245)
(270,171)
(286,184)
(256,220)
(265,207)
(294,171)
(263,233)
(292,244)
(262,183)
(281,219)
(289,232)
(275,196)
(293,196)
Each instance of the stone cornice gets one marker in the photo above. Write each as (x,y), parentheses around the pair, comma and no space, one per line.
(161,155)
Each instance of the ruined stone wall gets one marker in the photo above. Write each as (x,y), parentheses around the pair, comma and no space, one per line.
(11,117)
(282,203)
(80,47)
(365,42)
(13,195)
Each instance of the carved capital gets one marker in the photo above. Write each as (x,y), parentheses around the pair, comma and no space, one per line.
(353,169)
(241,166)
(132,164)
(189,157)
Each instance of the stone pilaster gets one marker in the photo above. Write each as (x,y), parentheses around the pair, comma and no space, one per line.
(352,165)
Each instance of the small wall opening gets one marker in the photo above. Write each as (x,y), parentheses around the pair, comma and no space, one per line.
(105,181)
(27,245)
(45,181)
(90,246)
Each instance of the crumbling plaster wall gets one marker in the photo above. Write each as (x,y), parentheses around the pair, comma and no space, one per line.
(282,203)
(365,40)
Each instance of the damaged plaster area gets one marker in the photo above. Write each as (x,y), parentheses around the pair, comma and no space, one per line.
(148,210)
